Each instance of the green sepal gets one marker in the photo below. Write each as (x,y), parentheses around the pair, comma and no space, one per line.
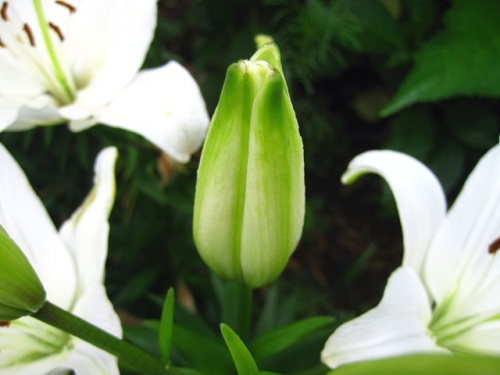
(270,53)
(21,291)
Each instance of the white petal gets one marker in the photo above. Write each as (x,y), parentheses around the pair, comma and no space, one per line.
(18,80)
(8,112)
(86,359)
(398,325)
(418,194)
(25,219)
(166,107)
(482,339)
(22,114)
(42,366)
(106,45)
(458,258)
(29,346)
(86,233)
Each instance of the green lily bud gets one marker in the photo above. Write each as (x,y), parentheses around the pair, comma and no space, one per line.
(250,195)
(21,292)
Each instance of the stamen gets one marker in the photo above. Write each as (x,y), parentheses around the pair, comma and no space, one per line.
(70,7)
(4,324)
(2,44)
(494,246)
(57,30)
(29,33)
(3,11)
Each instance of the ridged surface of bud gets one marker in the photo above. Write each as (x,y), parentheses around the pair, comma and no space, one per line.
(250,194)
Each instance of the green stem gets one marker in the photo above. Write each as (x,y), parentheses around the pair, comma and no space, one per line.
(51,50)
(245,304)
(124,351)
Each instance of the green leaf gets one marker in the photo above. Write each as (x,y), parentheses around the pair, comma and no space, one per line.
(424,364)
(166,326)
(280,339)
(412,131)
(448,164)
(276,309)
(378,31)
(245,364)
(462,60)
(474,123)
(202,352)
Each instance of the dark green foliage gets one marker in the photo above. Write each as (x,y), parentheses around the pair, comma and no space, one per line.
(344,60)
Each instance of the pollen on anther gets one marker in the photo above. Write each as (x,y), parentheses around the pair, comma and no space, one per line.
(494,246)
(71,8)
(29,34)
(57,30)
(2,44)
(3,11)
(4,324)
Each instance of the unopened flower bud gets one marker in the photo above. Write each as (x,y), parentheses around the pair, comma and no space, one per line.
(250,194)
(21,292)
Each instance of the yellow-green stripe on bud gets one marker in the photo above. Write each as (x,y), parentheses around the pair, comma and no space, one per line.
(250,194)
(21,292)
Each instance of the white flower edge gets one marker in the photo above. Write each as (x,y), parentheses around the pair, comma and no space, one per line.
(398,325)
(70,266)
(419,197)
(165,106)
(25,219)
(100,65)
(458,255)
(456,269)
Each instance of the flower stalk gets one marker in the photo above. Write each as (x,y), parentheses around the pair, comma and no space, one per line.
(125,352)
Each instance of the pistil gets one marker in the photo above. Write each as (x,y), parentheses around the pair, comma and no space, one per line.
(44,27)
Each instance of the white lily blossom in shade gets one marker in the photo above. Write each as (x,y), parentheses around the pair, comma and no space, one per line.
(445,296)
(70,263)
(77,61)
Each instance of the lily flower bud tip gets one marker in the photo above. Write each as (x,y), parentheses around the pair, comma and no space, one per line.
(250,194)
(21,291)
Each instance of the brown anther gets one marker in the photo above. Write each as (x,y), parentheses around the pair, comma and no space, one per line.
(57,30)
(70,7)
(3,11)
(4,324)
(494,246)
(2,44)
(29,34)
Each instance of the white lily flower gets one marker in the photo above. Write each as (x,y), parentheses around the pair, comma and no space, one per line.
(76,61)
(70,264)
(445,296)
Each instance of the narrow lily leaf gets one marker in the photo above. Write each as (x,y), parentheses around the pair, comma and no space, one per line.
(283,338)
(202,352)
(166,325)
(245,364)
(462,60)
(424,364)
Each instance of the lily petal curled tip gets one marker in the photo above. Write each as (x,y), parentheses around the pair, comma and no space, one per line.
(448,256)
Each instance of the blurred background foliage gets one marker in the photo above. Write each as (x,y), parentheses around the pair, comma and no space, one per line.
(345,60)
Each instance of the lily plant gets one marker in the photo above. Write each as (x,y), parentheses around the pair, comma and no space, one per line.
(69,263)
(77,61)
(444,297)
